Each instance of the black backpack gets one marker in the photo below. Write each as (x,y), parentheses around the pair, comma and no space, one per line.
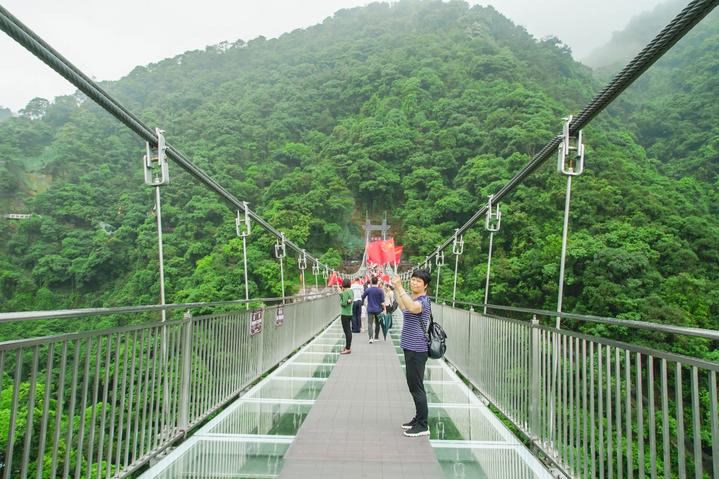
(436,338)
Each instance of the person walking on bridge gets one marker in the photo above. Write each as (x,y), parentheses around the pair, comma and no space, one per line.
(416,311)
(357,290)
(346,300)
(375,305)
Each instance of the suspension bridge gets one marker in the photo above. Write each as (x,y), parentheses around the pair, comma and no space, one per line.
(222,390)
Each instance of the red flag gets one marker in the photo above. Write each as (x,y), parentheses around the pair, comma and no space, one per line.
(374,252)
(334,279)
(397,253)
(387,251)
(381,252)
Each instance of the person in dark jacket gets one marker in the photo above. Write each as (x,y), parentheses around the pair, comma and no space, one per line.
(375,305)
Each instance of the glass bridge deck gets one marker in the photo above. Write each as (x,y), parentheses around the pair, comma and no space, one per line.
(250,437)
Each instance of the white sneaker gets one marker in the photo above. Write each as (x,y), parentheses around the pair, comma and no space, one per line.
(371,340)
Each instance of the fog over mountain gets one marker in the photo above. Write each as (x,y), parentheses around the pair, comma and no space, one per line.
(626,43)
(108,39)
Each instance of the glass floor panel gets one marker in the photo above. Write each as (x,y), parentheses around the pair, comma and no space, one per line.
(300,370)
(284,388)
(462,424)
(488,463)
(323,348)
(437,374)
(330,341)
(212,458)
(328,358)
(446,392)
(266,418)
(251,436)
(433,371)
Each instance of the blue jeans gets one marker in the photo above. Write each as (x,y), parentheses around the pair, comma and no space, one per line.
(356,316)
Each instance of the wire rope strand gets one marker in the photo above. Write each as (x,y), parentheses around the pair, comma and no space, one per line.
(682,23)
(38,47)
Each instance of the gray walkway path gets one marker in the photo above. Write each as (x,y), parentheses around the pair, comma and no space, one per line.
(353,429)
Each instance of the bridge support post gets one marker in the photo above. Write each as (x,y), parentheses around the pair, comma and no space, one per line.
(457,249)
(534,401)
(157,174)
(302,265)
(569,165)
(280,253)
(244,233)
(439,261)
(183,420)
(492,223)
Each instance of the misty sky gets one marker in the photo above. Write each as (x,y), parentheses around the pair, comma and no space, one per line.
(107,39)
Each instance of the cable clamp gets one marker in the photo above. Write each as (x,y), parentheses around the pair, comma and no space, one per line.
(439,259)
(302,260)
(155,162)
(427,264)
(280,249)
(326,273)
(240,221)
(570,155)
(316,268)
(457,244)
(493,220)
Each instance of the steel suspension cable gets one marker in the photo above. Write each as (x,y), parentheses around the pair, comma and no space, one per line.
(692,14)
(38,47)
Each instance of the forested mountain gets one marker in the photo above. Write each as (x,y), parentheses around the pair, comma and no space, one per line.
(422,109)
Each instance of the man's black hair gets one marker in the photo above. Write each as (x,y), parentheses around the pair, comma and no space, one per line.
(422,274)
(374,280)
(346,283)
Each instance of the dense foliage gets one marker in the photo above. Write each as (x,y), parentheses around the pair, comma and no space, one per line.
(420,109)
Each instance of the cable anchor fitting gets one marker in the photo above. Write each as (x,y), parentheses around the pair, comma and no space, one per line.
(280,249)
(240,221)
(302,260)
(439,259)
(493,220)
(458,244)
(570,155)
(316,268)
(155,162)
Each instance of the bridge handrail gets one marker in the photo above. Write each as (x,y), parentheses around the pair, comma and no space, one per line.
(123,395)
(82,312)
(627,323)
(591,405)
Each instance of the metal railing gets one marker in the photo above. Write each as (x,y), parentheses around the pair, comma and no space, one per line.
(595,407)
(103,403)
